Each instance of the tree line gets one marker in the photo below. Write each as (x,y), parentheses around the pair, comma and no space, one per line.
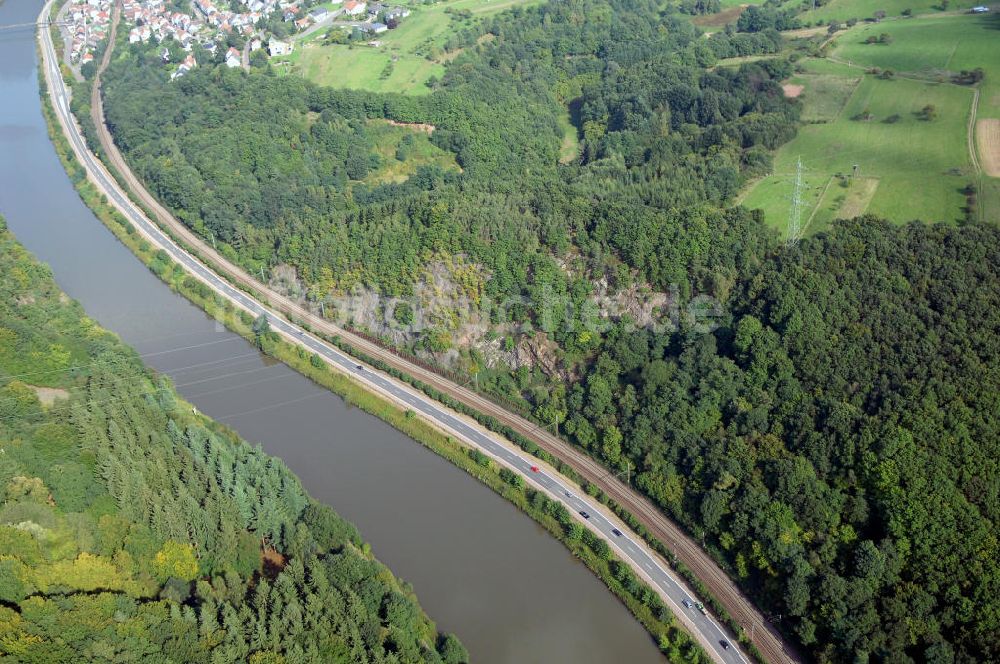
(134,530)
(832,442)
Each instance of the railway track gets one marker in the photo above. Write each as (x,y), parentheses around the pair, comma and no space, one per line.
(763,635)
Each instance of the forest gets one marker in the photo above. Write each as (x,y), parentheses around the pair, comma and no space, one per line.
(833,442)
(836,441)
(273,167)
(135,530)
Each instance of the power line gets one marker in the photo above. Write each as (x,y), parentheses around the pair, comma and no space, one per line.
(141,355)
(795,214)
(36,24)
(270,406)
(121,397)
(119,379)
(206,393)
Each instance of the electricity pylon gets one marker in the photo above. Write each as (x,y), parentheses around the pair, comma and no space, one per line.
(795,215)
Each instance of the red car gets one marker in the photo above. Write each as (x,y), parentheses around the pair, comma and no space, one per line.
(534,469)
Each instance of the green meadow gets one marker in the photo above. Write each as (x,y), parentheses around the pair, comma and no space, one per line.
(865,144)
(365,67)
(404,59)
(842,10)
(907,168)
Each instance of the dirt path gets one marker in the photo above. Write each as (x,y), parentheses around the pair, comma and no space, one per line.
(970,135)
(721,587)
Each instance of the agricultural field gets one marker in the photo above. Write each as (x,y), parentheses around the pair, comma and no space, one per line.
(404,59)
(839,10)
(934,47)
(713,22)
(827,95)
(908,167)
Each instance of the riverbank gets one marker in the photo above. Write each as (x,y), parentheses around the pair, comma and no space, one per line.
(174,271)
(659,531)
(652,615)
(657,620)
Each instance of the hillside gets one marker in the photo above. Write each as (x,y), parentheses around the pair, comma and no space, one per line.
(829,436)
(836,439)
(133,528)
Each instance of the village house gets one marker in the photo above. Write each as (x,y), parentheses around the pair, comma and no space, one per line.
(396,13)
(184,67)
(278,47)
(233,58)
(353,7)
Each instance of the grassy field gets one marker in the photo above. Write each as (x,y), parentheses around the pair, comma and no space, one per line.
(933,47)
(406,57)
(908,167)
(417,151)
(841,10)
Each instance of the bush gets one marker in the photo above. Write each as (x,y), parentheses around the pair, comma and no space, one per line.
(512,478)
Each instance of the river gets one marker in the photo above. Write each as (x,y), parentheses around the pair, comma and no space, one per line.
(480,568)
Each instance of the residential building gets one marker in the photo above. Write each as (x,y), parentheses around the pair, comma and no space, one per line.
(277,47)
(353,7)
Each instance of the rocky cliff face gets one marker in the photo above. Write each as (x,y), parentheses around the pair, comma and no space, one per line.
(447,314)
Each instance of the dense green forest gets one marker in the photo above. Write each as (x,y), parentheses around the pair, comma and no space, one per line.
(838,442)
(274,166)
(834,441)
(134,530)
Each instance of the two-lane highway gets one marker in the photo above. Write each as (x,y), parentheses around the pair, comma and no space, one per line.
(647,564)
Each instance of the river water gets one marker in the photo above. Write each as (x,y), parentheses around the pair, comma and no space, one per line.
(480,568)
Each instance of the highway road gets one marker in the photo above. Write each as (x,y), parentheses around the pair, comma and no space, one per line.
(647,564)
